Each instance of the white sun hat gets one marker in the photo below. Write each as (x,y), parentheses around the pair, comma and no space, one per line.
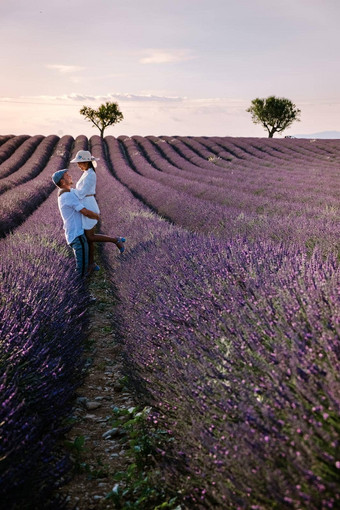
(83,157)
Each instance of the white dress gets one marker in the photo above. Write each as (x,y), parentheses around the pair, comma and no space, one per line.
(87,186)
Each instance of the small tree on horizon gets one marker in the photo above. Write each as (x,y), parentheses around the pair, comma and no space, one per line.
(106,115)
(274,113)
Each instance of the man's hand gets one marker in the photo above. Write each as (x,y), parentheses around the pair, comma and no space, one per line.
(89,214)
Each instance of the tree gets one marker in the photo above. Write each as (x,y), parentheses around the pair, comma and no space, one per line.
(274,113)
(106,115)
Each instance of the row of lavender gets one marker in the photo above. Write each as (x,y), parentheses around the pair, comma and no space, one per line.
(235,344)
(281,152)
(10,144)
(42,327)
(251,189)
(254,157)
(228,211)
(21,154)
(30,184)
(22,170)
(150,237)
(4,138)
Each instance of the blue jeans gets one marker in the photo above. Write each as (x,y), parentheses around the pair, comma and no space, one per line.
(80,249)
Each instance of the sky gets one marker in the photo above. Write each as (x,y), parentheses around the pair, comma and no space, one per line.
(175,67)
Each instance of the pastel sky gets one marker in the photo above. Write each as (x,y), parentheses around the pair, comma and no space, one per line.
(175,67)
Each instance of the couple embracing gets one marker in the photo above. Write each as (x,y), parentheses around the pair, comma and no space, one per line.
(80,212)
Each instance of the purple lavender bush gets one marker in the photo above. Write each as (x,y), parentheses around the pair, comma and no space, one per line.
(20,156)
(19,202)
(229,325)
(239,212)
(4,138)
(42,327)
(235,345)
(242,367)
(10,145)
(32,166)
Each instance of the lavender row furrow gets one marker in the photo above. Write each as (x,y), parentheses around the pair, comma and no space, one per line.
(11,145)
(20,156)
(228,191)
(33,166)
(167,147)
(232,338)
(234,344)
(272,174)
(180,208)
(175,164)
(203,152)
(254,156)
(42,326)
(229,166)
(249,146)
(311,148)
(237,368)
(244,159)
(19,202)
(223,195)
(223,147)
(5,138)
(232,157)
(222,156)
(317,225)
(201,162)
(137,221)
(177,179)
(288,150)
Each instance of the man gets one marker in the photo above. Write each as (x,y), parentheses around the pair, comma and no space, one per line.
(71,210)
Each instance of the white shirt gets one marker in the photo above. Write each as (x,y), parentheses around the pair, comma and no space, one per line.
(69,207)
(86,184)
(85,189)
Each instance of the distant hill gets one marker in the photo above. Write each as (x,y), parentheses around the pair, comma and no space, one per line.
(322,134)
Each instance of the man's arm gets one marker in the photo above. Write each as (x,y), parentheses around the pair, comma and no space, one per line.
(89,214)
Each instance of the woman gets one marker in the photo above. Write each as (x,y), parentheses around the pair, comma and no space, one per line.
(86,192)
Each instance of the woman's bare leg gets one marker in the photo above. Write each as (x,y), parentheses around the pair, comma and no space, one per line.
(92,237)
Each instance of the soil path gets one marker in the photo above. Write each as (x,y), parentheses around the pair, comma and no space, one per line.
(98,458)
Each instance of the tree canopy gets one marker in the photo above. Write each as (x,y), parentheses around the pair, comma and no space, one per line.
(274,113)
(106,115)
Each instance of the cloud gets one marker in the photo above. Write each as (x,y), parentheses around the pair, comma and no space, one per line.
(119,96)
(198,105)
(147,97)
(63,69)
(156,56)
(74,98)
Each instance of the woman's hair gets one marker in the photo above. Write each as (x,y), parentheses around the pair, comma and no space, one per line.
(90,163)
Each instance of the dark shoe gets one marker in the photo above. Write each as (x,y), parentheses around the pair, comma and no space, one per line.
(120,241)
(93,267)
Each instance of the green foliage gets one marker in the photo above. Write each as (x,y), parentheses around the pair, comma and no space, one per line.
(106,115)
(101,470)
(141,486)
(274,113)
(77,449)
(76,446)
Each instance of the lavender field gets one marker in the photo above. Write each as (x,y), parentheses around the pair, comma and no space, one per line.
(228,314)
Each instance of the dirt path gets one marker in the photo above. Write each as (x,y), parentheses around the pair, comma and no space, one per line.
(98,458)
